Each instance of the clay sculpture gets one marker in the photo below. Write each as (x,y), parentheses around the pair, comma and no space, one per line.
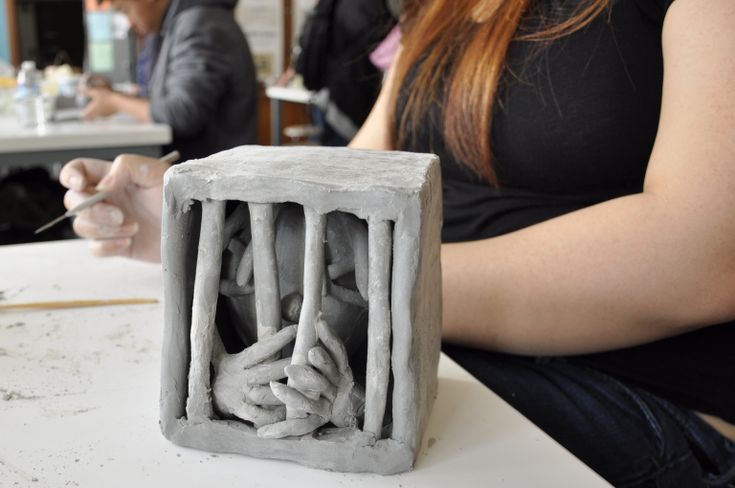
(302,305)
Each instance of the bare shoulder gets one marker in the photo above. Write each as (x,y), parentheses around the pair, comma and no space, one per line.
(691,172)
(695,144)
(703,28)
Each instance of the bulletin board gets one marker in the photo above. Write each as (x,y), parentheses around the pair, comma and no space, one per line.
(109,50)
(263,24)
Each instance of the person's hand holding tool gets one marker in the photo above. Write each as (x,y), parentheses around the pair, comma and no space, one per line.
(127,222)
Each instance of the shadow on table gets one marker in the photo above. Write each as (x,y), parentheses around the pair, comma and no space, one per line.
(463,420)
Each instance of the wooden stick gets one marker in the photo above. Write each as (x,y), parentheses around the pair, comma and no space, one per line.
(77,303)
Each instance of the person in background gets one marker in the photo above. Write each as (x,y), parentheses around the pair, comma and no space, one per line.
(588,265)
(150,45)
(383,55)
(334,61)
(202,78)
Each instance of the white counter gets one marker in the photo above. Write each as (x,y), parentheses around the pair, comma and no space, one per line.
(278,95)
(58,142)
(79,399)
(290,94)
(80,134)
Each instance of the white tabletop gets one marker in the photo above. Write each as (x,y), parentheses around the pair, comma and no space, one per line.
(290,94)
(79,399)
(118,131)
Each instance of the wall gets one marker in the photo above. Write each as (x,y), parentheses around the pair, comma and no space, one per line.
(4,37)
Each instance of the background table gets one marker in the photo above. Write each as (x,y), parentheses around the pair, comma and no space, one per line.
(79,399)
(278,95)
(59,142)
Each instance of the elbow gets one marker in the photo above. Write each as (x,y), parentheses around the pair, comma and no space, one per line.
(185,122)
(717,292)
(722,306)
(710,301)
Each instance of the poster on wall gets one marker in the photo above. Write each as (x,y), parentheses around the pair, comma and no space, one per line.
(262,22)
(5,53)
(108,46)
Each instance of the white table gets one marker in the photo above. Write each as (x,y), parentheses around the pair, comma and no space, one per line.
(58,142)
(79,399)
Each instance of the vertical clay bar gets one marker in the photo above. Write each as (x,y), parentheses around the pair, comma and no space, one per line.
(204,307)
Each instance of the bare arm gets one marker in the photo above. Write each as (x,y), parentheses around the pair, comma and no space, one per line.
(633,269)
(105,102)
(138,107)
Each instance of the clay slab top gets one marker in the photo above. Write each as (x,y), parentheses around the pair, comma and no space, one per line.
(343,168)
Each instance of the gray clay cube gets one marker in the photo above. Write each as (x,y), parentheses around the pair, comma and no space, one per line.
(343,243)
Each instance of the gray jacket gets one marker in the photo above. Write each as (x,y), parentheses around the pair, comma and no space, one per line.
(203,84)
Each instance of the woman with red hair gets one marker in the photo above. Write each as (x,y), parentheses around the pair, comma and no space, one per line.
(588,160)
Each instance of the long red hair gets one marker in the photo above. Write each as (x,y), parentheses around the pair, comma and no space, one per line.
(462,45)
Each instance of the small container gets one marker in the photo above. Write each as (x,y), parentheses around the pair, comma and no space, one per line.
(30,106)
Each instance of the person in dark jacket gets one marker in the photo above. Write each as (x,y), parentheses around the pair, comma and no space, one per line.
(334,61)
(203,81)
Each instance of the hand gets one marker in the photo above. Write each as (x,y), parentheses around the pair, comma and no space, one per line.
(128,223)
(323,391)
(103,102)
(241,380)
(97,81)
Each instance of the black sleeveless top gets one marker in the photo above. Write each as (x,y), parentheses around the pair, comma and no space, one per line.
(574,124)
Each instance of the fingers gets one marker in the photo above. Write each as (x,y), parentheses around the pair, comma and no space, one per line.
(299,403)
(306,378)
(101,213)
(231,289)
(111,247)
(261,395)
(98,81)
(334,346)
(238,220)
(291,306)
(291,427)
(260,416)
(82,173)
(102,229)
(96,91)
(322,361)
(245,268)
(263,374)
(266,348)
(344,410)
(133,169)
(104,224)
(141,171)
(90,111)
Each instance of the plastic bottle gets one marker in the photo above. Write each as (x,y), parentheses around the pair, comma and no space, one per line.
(28,97)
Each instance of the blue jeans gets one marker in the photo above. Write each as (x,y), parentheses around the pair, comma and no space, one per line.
(630,437)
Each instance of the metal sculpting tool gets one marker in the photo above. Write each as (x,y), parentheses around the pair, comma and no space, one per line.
(169,158)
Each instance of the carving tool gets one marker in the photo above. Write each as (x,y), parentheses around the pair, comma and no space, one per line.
(169,158)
